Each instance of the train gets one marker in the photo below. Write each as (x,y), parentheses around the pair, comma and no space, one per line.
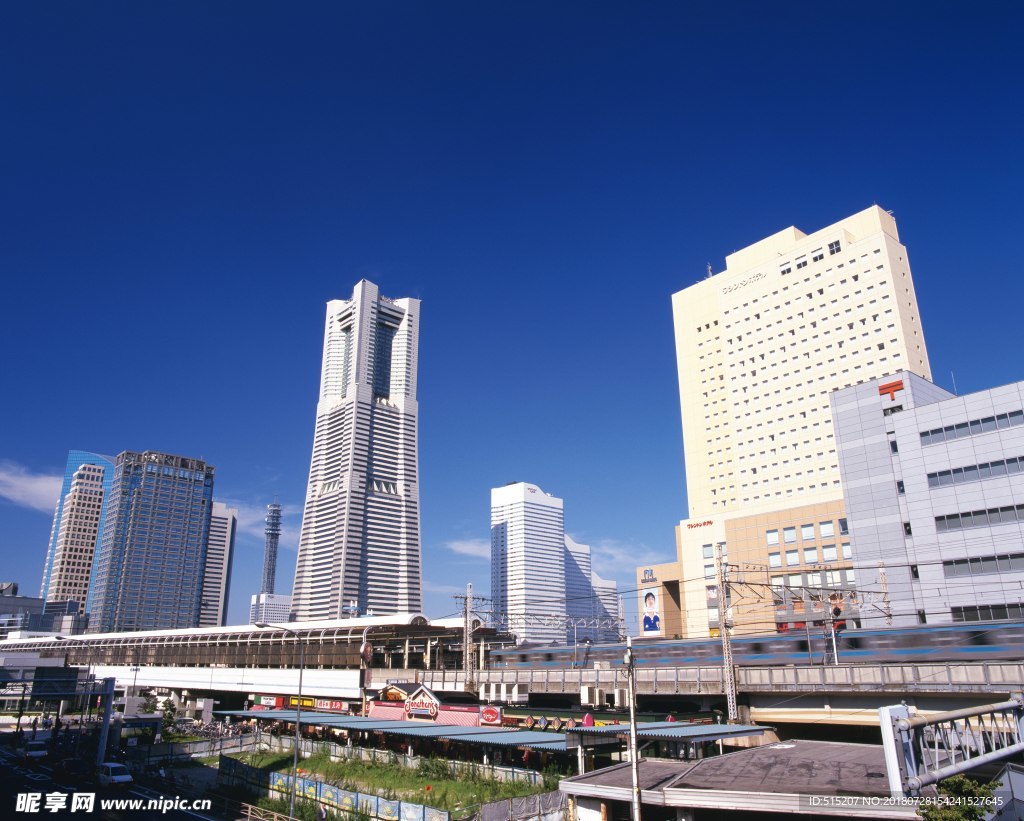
(977,641)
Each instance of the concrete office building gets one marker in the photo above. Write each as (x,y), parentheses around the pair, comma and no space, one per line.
(77,523)
(760,347)
(360,535)
(220,550)
(270,607)
(542,579)
(149,566)
(76,530)
(934,487)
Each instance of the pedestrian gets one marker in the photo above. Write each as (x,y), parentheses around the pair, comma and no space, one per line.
(321,813)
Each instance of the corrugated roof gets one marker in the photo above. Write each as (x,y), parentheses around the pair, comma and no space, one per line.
(675,730)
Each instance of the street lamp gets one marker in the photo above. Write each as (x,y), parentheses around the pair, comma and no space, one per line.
(82,716)
(298,706)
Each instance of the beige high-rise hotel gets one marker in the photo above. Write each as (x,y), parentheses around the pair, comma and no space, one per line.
(760,346)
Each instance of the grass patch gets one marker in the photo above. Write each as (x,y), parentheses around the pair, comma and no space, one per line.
(431,783)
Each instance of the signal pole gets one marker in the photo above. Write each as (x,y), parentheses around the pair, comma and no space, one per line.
(634,754)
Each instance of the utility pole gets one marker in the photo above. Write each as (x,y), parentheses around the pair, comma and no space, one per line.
(634,753)
(467,635)
(883,583)
(728,672)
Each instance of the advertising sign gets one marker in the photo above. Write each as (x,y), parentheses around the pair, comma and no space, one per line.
(650,616)
(331,704)
(490,715)
(422,704)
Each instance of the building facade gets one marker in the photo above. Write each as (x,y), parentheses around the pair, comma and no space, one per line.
(360,535)
(542,580)
(77,523)
(220,550)
(934,488)
(760,347)
(270,607)
(149,566)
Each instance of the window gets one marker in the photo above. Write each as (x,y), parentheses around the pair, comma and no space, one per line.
(972,427)
(789,534)
(775,560)
(907,530)
(834,247)
(827,530)
(811,555)
(987,612)
(708,551)
(792,557)
(921,617)
(900,487)
(807,532)
(847,552)
(773,537)
(979,518)
(844,529)
(893,447)
(709,571)
(778,581)
(828,553)
(914,572)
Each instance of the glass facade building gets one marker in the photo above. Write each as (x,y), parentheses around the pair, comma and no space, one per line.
(149,567)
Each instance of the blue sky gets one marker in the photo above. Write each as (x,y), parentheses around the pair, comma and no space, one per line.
(186,184)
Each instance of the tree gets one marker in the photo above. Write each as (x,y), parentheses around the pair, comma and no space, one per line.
(170,713)
(149,703)
(971,795)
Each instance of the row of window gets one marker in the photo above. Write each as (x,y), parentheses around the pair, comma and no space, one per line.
(826,530)
(987,612)
(972,473)
(829,553)
(973,427)
(984,564)
(826,578)
(979,518)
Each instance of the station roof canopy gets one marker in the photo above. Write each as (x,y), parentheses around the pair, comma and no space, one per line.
(482,736)
(675,731)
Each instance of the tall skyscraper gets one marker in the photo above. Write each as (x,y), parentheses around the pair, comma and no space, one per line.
(273,535)
(542,579)
(149,567)
(360,536)
(220,548)
(77,523)
(760,347)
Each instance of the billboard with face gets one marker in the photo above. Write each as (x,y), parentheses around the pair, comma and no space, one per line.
(650,617)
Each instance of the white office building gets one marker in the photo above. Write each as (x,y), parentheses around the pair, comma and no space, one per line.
(760,347)
(77,523)
(934,488)
(541,579)
(220,547)
(273,608)
(360,536)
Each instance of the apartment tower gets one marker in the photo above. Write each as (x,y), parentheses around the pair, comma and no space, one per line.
(760,347)
(150,565)
(360,535)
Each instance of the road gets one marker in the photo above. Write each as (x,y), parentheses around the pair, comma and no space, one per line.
(18,779)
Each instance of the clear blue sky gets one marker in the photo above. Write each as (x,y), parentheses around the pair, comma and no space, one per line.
(186,184)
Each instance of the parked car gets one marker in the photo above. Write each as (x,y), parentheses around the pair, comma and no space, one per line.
(112,774)
(73,771)
(33,751)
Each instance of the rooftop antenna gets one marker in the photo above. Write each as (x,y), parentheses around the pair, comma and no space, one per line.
(710,273)
(953,377)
